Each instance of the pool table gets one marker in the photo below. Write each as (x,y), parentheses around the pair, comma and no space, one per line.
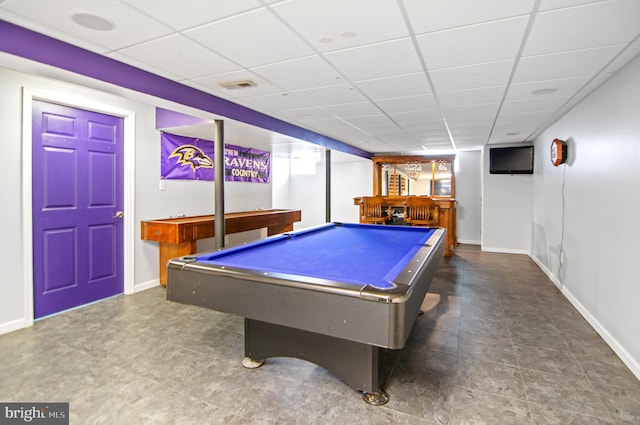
(343,296)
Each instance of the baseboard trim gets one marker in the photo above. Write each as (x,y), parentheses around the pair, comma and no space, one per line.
(139,287)
(468,241)
(14,325)
(612,342)
(504,250)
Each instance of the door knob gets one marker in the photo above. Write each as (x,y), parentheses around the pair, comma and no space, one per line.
(119,214)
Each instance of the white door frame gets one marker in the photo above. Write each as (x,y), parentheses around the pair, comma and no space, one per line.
(59,97)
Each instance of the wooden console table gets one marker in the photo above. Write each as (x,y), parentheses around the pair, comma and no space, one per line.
(447,218)
(177,236)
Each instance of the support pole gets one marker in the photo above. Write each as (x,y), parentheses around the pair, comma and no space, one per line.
(327,162)
(218,154)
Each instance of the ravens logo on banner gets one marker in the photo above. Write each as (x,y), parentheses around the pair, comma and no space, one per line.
(192,156)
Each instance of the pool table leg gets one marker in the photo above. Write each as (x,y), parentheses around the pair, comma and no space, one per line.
(364,367)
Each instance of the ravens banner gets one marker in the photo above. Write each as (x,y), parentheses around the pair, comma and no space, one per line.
(187,158)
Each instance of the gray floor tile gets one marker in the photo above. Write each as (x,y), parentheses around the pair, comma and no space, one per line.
(496,344)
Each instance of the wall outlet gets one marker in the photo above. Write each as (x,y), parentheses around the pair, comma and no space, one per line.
(163,185)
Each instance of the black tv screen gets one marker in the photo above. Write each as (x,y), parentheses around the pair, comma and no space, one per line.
(511,160)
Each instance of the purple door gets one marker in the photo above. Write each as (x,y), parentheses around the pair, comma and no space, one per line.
(77,207)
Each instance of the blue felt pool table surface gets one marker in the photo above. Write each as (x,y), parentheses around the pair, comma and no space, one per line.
(357,254)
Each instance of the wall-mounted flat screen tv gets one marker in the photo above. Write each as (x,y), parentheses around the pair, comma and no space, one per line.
(511,160)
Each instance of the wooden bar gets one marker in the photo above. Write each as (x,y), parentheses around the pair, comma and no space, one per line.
(447,218)
(177,236)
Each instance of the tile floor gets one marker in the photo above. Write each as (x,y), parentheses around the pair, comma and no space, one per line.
(497,344)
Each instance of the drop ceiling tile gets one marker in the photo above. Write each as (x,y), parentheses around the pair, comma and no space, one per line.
(566,87)
(175,53)
(427,127)
(262,87)
(219,93)
(344,131)
(471,122)
(434,15)
(517,126)
(27,22)
(131,26)
(521,118)
(276,102)
(397,86)
(332,124)
(498,139)
(377,60)
(589,88)
(471,96)
(480,43)
(404,118)
(471,77)
(332,95)
(337,24)
(559,4)
(483,109)
(584,27)
(625,56)
(549,105)
(407,104)
(144,66)
(572,64)
(304,73)
(189,13)
(237,39)
(363,122)
(467,135)
(305,114)
(352,109)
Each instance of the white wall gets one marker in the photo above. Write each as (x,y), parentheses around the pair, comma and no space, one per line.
(585,213)
(180,197)
(506,210)
(469,196)
(304,192)
(351,177)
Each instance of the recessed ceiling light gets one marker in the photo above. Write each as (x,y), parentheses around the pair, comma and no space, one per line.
(349,34)
(540,92)
(92,22)
(325,40)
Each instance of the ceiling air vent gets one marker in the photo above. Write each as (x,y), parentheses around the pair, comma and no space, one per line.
(234,85)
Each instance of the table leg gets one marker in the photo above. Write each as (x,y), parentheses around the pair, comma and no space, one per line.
(364,367)
(173,250)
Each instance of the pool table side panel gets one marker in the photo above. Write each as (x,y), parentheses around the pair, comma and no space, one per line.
(340,316)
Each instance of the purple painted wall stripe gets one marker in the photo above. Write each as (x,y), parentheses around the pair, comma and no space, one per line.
(28,44)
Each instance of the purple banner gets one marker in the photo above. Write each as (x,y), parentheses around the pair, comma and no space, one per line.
(186,158)
(246,164)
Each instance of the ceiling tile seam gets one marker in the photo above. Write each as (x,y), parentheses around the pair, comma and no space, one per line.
(555,116)
(516,62)
(574,6)
(184,33)
(475,24)
(330,64)
(194,27)
(584,49)
(414,41)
